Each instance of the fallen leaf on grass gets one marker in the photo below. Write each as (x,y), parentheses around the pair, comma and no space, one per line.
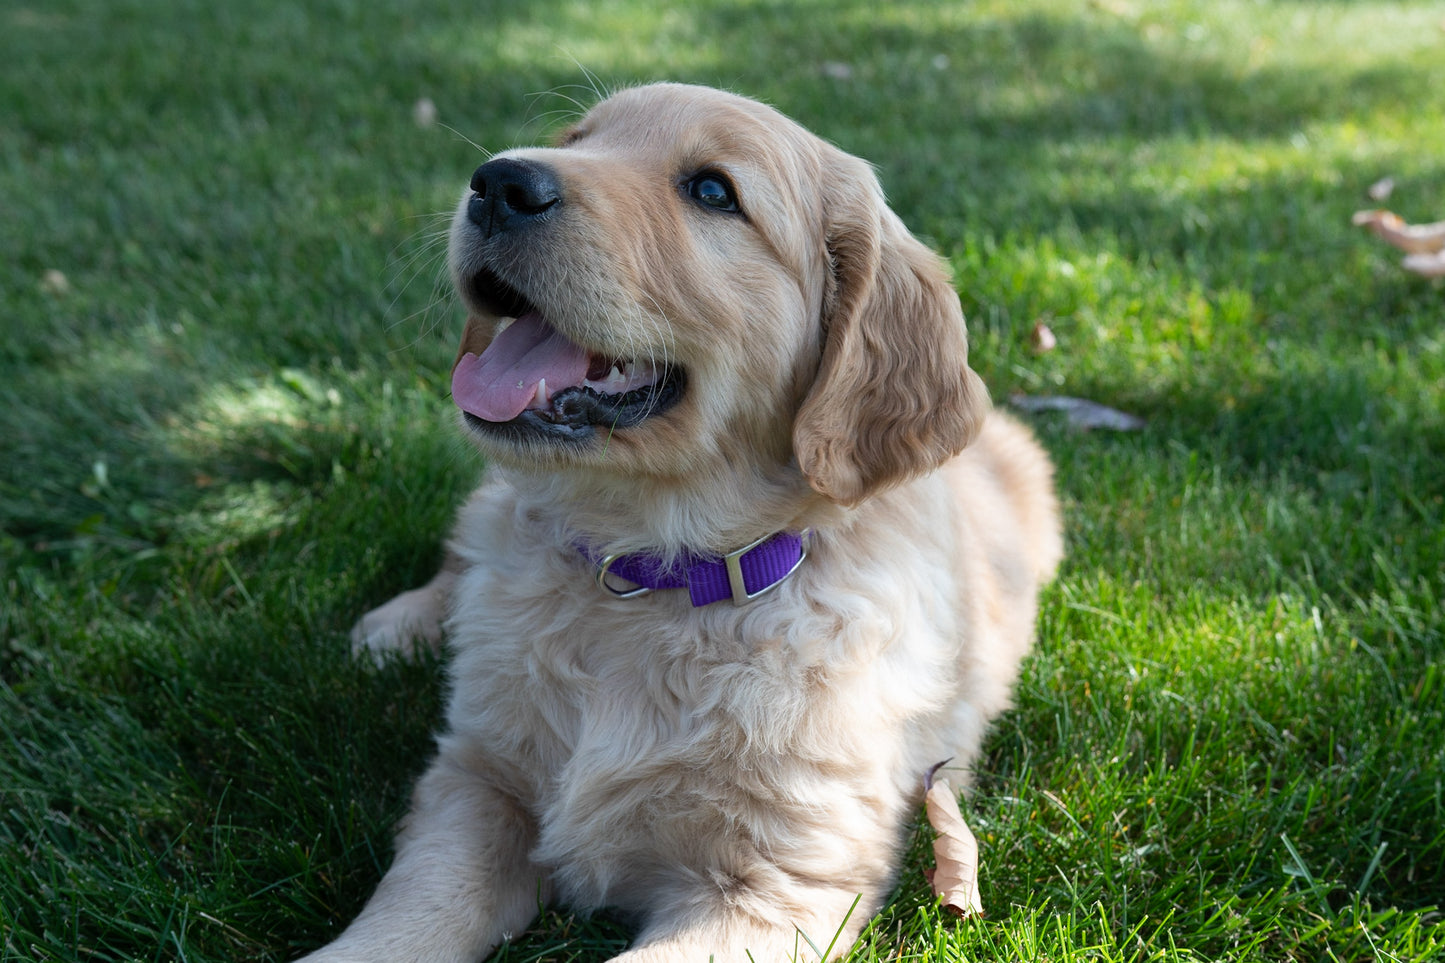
(1410,238)
(1381,189)
(1429,265)
(55,282)
(1042,339)
(955,850)
(1081,412)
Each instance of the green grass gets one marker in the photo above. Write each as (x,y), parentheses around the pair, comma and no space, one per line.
(227,434)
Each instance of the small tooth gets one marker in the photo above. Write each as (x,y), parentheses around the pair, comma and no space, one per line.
(541,397)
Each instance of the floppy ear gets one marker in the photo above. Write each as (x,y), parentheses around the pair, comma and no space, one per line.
(894,396)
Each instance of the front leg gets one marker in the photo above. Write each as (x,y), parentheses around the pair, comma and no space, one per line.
(460,884)
(409,621)
(733,925)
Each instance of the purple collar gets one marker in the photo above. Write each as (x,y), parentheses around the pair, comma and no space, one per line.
(741,576)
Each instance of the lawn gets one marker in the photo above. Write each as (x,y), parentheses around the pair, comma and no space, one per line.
(225,432)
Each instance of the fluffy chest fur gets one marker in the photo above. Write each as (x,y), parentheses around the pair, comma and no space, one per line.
(642,733)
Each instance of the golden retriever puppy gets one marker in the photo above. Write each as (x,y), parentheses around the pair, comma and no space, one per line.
(731,588)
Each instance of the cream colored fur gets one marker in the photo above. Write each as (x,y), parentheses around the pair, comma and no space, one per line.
(730,775)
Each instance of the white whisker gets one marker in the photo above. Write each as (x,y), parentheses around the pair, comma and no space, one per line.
(660,349)
(480,149)
(422,255)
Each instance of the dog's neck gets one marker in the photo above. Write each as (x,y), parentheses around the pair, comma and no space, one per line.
(738,576)
(669,520)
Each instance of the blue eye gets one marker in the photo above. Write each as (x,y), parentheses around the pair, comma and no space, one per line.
(713,191)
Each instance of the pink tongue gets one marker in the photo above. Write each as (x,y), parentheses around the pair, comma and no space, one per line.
(501,382)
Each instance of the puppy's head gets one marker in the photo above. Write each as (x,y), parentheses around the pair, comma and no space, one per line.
(689,283)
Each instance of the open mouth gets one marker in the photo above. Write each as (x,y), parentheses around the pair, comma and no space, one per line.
(531,379)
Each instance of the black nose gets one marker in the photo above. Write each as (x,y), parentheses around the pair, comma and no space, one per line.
(509,194)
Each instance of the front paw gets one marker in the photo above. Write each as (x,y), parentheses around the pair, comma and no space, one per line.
(409,622)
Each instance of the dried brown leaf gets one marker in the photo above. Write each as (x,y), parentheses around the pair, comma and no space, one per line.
(955,852)
(1410,238)
(1429,265)
(1042,339)
(55,282)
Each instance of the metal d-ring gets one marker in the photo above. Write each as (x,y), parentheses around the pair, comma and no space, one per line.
(602,568)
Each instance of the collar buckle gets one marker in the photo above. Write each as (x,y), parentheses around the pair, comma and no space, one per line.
(734,564)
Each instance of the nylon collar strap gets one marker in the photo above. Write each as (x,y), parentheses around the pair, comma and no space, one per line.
(742,575)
